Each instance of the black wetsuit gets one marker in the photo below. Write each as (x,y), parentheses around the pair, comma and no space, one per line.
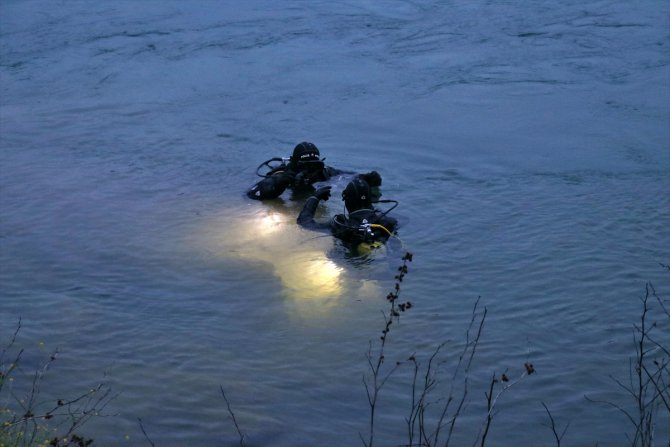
(364,225)
(284,177)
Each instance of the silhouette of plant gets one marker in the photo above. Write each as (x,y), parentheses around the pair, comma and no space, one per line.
(648,382)
(26,420)
(424,429)
(234,419)
(554,429)
(378,378)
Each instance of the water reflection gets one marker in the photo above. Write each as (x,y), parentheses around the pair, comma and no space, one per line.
(310,276)
(299,258)
(269,224)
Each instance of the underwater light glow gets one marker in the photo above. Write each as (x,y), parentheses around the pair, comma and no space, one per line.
(298,258)
(269,224)
(310,277)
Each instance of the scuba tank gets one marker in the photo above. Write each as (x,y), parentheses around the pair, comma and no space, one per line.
(273,169)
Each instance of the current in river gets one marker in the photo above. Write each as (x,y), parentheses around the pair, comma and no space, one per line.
(527,145)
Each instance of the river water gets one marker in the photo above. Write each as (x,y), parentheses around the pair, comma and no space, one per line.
(528,148)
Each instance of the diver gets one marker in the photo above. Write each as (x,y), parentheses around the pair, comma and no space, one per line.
(364,227)
(298,172)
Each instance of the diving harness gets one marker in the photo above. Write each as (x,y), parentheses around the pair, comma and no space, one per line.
(364,233)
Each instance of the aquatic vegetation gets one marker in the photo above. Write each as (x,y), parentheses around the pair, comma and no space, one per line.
(432,412)
(27,419)
(375,356)
(648,383)
(435,400)
(435,410)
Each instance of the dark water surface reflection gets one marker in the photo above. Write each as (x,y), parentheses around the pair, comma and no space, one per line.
(529,148)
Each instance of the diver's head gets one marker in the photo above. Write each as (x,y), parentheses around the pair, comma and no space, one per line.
(375,181)
(305,156)
(356,195)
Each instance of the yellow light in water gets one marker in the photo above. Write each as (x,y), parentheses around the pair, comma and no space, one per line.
(324,276)
(298,257)
(310,277)
(269,224)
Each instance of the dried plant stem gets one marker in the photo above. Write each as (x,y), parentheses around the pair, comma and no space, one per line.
(232,416)
(491,400)
(73,413)
(470,345)
(144,432)
(649,376)
(422,390)
(377,379)
(557,437)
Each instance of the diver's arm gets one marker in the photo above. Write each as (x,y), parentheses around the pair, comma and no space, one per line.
(330,171)
(306,216)
(270,187)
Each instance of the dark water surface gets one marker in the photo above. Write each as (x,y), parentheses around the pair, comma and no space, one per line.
(528,146)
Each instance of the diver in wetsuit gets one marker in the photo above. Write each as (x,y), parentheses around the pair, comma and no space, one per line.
(304,168)
(363,223)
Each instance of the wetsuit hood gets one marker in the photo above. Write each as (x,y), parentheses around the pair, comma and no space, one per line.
(356,195)
(305,156)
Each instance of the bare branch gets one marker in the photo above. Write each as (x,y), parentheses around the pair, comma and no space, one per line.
(613,405)
(232,416)
(144,432)
(553,427)
(466,372)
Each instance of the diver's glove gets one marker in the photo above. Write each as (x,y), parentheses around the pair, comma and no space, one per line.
(301,180)
(311,172)
(372,178)
(322,193)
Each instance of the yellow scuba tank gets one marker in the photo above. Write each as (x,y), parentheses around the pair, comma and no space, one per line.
(365,248)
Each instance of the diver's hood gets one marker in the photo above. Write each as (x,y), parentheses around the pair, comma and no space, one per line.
(357,195)
(305,156)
